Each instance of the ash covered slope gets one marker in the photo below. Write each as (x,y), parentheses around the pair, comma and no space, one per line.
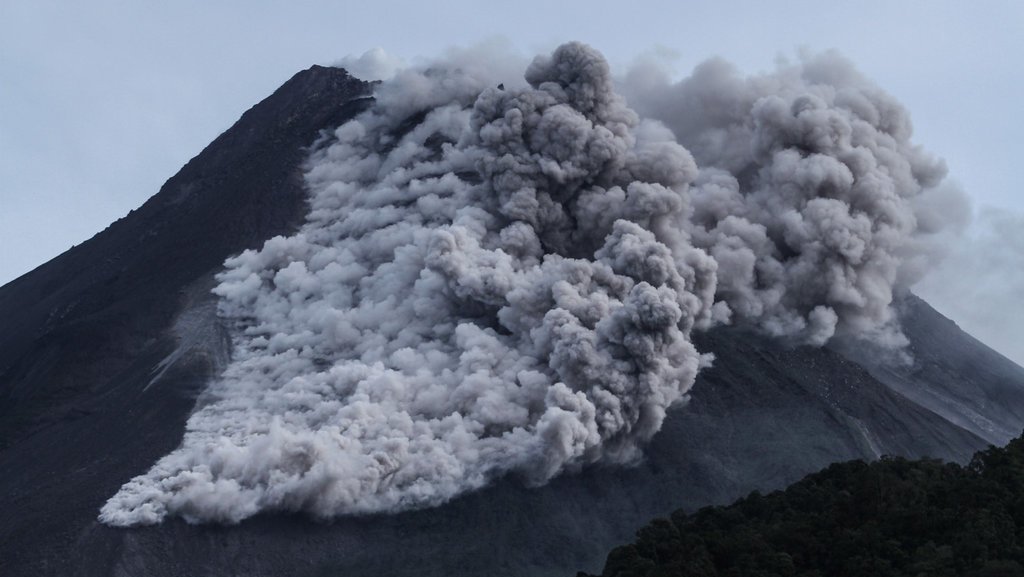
(84,334)
(82,411)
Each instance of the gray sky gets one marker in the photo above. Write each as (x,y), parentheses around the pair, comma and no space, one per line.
(101,102)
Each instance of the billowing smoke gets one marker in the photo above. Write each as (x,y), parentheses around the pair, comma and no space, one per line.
(501,279)
(808,193)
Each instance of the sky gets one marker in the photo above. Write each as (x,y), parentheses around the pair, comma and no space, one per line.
(101,102)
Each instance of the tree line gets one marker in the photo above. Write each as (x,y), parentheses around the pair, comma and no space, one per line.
(890,518)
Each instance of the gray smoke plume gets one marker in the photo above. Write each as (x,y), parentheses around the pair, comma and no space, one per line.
(489,282)
(498,281)
(808,197)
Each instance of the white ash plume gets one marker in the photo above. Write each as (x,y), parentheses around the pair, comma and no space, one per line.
(489,282)
(501,277)
(809,197)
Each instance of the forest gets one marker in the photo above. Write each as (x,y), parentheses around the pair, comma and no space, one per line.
(890,518)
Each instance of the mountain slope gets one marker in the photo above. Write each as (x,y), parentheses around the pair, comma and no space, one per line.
(84,333)
(108,346)
(976,388)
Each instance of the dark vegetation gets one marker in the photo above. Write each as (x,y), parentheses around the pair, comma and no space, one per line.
(893,517)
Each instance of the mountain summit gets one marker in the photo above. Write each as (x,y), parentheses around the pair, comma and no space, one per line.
(108,350)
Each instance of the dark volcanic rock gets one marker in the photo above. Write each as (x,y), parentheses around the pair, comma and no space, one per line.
(108,345)
(85,333)
(976,388)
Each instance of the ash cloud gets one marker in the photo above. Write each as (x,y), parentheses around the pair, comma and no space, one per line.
(503,280)
(810,196)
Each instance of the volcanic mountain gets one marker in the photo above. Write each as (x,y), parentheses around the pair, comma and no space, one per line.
(107,349)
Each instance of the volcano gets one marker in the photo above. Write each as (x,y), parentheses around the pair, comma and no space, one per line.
(108,348)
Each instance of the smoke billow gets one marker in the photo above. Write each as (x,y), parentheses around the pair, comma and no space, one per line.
(497,281)
(807,195)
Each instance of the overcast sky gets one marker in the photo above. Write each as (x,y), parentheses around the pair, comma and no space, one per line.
(102,101)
